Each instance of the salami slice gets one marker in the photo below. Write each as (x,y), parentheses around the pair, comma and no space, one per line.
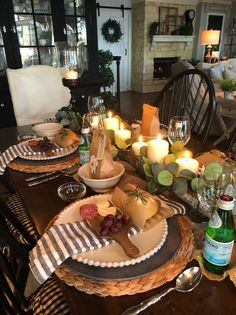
(88,211)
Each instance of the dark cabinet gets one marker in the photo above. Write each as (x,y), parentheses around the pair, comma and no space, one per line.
(30,31)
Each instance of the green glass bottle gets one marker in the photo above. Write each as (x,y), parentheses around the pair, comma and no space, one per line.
(219,239)
(84,145)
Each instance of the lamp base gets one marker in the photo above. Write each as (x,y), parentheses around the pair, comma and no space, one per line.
(208,54)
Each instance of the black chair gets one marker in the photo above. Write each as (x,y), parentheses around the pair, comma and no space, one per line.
(14,269)
(190,93)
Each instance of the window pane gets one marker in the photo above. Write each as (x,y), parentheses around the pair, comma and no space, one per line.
(47,55)
(81,28)
(44,32)
(1,39)
(29,56)
(3,62)
(79,7)
(42,6)
(25,30)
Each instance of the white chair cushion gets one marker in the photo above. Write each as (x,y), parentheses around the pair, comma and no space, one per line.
(37,93)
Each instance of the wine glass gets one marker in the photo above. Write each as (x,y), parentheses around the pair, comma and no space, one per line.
(214,181)
(179,129)
(94,102)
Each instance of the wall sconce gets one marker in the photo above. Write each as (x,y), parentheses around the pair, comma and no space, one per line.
(209,38)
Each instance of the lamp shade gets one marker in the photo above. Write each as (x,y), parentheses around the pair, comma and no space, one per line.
(210,37)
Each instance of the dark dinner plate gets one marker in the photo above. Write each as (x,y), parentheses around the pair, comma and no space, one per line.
(143,268)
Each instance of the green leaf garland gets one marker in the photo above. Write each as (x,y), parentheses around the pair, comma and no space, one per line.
(111,31)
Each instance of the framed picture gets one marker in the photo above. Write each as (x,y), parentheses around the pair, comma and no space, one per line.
(167,19)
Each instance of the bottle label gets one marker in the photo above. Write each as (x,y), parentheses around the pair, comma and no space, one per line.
(217,253)
(215,220)
(84,157)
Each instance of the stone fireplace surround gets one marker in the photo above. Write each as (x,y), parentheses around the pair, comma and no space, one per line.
(144,52)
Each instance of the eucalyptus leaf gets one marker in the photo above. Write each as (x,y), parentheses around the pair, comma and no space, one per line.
(65,122)
(64,114)
(143,151)
(187,173)
(156,168)
(147,161)
(152,187)
(180,186)
(147,170)
(130,141)
(213,171)
(195,184)
(173,168)
(165,178)
(110,133)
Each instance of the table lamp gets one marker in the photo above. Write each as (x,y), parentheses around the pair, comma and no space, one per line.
(209,38)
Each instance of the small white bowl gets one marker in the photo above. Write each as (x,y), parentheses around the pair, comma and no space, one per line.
(101,185)
(49,129)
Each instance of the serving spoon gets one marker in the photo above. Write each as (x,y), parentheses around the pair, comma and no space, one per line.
(185,282)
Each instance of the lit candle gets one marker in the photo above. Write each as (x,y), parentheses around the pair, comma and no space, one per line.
(136,146)
(157,149)
(122,134)
(71,74)
(187,163)
(111,122)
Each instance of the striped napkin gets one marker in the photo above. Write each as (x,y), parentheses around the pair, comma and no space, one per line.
(61,242)
(21,150)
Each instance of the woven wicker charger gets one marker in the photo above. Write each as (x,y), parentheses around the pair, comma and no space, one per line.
(57,166)
(165,273)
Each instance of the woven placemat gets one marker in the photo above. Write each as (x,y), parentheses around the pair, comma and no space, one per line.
(58,165)
(142,284)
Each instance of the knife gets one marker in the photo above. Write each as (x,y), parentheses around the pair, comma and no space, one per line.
(43,180)
(29,179)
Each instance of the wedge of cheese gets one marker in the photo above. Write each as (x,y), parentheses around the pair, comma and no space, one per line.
(66,138)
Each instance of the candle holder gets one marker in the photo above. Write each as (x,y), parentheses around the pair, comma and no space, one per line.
(72,85)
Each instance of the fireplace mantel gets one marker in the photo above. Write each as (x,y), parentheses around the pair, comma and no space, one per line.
(173,39)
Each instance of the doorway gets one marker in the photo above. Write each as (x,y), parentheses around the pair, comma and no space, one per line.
(121,48)
(215,21)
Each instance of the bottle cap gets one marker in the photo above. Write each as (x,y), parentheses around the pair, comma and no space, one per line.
(85,130)
(226,202)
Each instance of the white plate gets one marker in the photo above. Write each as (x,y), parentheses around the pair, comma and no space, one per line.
(148,242)
(38,156)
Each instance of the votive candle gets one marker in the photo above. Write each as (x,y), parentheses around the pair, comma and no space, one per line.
(136,146)
(187,163)
(122,134)
(71,74)
(111,123)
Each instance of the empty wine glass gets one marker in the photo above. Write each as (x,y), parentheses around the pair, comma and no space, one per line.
(94,102)
(179,129)
(214,180)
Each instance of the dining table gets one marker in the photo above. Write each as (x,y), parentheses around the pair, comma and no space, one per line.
(43,204)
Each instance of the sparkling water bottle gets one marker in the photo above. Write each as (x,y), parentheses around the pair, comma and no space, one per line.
(84,145)
(219,239)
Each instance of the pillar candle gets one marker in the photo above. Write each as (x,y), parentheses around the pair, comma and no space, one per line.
(157,150)
(111,122)
(136,146)
(71,74)
(122,134)
(187,163)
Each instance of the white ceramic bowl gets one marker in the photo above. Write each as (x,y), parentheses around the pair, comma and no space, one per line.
(49,129)
(101,185)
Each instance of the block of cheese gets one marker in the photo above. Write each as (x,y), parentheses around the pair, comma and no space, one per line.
(150,120)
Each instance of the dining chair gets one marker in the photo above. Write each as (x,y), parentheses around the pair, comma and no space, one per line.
(189,92)
(37,93)
(14,269)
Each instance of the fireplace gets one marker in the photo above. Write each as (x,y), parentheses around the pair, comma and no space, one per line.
(162,67)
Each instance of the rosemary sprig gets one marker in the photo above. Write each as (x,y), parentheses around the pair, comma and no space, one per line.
(136,193)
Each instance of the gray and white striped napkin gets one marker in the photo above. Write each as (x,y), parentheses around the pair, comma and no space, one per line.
(21,150)
(61,242)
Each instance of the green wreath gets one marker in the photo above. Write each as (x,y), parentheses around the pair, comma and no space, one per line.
(111,31)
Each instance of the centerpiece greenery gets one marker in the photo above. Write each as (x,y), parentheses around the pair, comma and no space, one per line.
(69,118)
(228,85)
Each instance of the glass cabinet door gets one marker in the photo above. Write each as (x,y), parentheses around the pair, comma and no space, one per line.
(3,61)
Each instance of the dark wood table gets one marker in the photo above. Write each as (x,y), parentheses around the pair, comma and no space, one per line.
(210,297)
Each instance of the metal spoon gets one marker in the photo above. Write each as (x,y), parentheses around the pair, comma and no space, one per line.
(185,282)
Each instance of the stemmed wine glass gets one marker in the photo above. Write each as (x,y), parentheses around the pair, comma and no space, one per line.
(220,180)
(94,102)
(179,129)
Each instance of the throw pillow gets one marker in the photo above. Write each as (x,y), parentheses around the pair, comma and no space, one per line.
(216,73)
(229,74)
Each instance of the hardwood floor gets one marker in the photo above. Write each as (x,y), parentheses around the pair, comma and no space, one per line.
(131,103)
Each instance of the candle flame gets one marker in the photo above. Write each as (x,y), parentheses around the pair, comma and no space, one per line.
(140,139)
(188,154)
(159,136)
(109,114)
(121,126)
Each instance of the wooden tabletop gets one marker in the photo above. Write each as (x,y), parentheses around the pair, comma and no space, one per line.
(43,203)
